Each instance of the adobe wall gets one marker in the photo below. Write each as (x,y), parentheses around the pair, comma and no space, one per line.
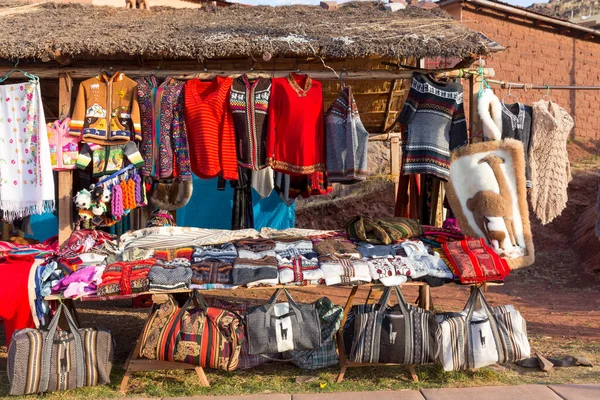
(535,54)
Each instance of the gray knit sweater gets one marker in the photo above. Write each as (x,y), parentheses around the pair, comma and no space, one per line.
(347,141)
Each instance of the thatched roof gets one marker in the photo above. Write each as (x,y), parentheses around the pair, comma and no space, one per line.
(355,30)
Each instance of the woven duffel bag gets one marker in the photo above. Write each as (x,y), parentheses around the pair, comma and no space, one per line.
(41,361)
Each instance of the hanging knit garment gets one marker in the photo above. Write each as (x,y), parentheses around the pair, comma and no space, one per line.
(164,138)
(435,120)
(516,124)
(549,160)
(295,121)
(347,141)
(210,128)
(249,103)
(26,181)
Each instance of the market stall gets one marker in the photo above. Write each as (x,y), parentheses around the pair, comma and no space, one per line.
(243,98)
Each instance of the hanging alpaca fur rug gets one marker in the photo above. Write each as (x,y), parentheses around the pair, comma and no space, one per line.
(487,193)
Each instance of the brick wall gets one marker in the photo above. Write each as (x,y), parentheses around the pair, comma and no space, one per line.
(540,56)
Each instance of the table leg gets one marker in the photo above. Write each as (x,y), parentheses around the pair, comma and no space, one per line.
(343,358)
(413,373)
(202,377)
(424,296)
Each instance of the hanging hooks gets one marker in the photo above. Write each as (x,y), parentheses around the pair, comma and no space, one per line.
(509,94)
(32,78)
(342,84)
(547,95)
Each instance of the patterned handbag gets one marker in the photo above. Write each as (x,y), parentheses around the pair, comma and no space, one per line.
(325,356)
(277,327)
(194,334)
(41,361)
(476,338)
(402,334)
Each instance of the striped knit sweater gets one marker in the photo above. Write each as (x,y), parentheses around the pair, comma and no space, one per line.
(249,104)
(211,133)
(435,120)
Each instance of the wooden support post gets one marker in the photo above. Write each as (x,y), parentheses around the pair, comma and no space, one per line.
(395,164)
(388,107)
(475,128)
(424,296)
(65,178)
(340,337)
(6,229)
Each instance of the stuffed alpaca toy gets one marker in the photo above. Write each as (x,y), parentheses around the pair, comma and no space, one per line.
(489,109)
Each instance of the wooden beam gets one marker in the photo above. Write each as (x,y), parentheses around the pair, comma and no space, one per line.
(395,163)
(383,137)
(388,107)
(86,72)
(65,178)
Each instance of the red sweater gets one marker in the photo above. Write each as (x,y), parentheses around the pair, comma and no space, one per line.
(295,138)
(210,128)
(15,309)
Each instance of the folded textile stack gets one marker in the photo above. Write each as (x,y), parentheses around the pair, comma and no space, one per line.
(344,271)
(254,272)
(442,235)
(368,250)
(165,279)
(390,271)
(298,262)
(384,230)
(299,269)
(126,277)
(290,247)
(171,254)
(82,282)
(225,252)
(255,248)
(89,241)
(473,261)
(212,273)
(428,265)
(416,256)
(335,247)
(174,263)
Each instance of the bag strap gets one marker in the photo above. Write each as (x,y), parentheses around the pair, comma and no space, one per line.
(476,295)
(269,307)
(47,349)
(384,300)
(199,300)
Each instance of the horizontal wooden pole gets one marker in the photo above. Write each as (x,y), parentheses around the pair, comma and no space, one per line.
(87,72)
(383,137)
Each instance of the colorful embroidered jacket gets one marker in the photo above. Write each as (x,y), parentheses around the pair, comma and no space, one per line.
(63,147)
(164,139)
(249,104)
(108,159)
(106,110)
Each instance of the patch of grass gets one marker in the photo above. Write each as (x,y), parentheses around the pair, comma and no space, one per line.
(281,378)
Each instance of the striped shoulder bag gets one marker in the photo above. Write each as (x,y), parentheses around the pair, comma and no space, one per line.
(41,361)
(476,337)
(402,334)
